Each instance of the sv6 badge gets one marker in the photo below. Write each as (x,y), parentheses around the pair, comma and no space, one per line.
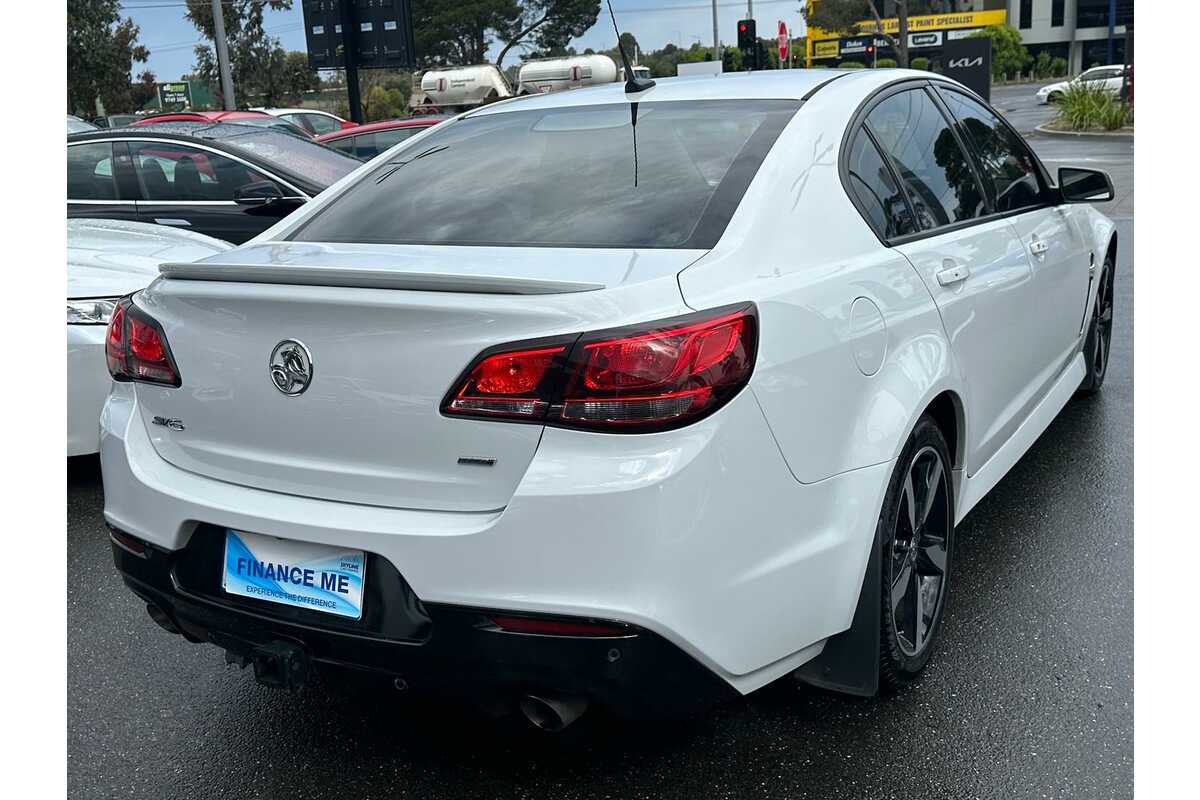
(171,423)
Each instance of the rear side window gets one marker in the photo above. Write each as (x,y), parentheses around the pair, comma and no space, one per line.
(931,164)
(1009,170)
(90,172)
(565,177)
(321,124)
(875,189)
(180,173)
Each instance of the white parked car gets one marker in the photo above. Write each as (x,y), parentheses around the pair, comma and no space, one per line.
(1109,78)
(77,125)
(105,260)
(511,410)
(310,120)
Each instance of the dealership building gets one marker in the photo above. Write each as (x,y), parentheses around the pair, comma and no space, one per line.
(1079,31)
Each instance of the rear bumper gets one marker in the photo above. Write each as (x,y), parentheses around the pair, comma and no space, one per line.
(700,537)
(429,649)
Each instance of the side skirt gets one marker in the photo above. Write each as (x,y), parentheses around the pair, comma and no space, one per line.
(976,486)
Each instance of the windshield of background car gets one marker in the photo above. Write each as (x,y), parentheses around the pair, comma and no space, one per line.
(300,155)
(564,177)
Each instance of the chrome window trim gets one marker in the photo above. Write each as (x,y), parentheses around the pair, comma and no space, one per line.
(197,146)
(101,202)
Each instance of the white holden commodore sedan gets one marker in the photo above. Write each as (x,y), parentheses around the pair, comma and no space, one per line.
(639,400)
(107,259)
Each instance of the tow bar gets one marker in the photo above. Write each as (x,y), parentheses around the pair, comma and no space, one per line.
(283,665)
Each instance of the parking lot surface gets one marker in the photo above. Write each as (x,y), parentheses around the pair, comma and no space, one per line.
(1030,694)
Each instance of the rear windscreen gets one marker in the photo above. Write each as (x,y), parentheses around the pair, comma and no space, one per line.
(564,177)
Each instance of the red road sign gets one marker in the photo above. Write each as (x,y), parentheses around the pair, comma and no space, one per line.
(783,41)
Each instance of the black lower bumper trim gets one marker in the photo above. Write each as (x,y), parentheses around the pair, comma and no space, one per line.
(427,647)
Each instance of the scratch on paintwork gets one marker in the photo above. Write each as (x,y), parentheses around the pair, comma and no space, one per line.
(802,179)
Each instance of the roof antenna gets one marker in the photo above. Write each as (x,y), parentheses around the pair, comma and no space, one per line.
(633,84)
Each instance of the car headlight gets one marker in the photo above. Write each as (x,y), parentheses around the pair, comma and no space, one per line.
(93,311)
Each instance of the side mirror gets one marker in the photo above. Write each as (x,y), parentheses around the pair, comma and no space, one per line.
(257,193)
(1077,185)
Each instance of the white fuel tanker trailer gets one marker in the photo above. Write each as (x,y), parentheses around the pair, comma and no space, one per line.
(455,89)
(572,72)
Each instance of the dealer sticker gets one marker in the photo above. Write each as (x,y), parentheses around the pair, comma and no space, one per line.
(300,574)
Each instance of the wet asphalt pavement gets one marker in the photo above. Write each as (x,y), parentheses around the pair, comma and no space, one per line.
(1030,694)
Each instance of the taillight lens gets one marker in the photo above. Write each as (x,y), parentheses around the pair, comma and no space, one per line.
(136,347)
(643,378)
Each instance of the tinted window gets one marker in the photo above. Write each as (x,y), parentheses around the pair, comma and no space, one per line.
(876,190)
(387,139)
(299,156)
(931,164)
(321,124)
(1008,166)
(90,172)
(564,177)
(180,173)
(345,144)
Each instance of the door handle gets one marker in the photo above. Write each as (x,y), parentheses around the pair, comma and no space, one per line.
(180,223)
(953,275)
(1039,247)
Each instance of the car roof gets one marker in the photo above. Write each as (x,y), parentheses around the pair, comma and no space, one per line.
(382,125)
(787,84)
(274,111)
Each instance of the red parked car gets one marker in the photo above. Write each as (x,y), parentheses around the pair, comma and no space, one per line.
(367,141)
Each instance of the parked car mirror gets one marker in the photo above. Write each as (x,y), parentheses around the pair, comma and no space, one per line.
(1079,185)
(257,193)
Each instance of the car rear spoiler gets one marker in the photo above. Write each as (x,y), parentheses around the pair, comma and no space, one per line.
(357,277)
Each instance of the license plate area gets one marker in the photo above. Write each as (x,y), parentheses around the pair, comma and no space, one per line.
(315,577)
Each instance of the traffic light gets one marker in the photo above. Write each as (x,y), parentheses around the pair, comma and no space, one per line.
(747,42)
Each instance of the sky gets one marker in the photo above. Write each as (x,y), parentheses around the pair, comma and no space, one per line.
(170,37)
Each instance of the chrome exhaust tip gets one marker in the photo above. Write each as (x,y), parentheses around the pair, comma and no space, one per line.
(551,713)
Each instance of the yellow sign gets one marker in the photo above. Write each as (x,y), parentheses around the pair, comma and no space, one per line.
(827,49)
(928,22)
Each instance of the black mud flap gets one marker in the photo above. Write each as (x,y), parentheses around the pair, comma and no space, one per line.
(850,661)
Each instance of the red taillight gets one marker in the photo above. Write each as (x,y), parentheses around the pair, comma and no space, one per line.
(136,347)
(649,377)
(559,627)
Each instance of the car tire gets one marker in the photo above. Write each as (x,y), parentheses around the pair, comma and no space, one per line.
(916,535)
(1054,97)
(1098,345)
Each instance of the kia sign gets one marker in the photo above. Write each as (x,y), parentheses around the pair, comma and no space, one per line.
(783,42)
(969,61)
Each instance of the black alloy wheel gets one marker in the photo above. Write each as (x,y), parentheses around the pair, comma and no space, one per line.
(1098,345)
(917,537)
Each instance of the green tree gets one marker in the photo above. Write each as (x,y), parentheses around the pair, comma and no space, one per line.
(143,90)
(257,61)
(101,49)
(385,94)
(459,32)
(846,16)
(547,25)
(1009,56)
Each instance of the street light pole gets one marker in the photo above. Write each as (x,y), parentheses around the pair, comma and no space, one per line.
(716,37)
(223,56)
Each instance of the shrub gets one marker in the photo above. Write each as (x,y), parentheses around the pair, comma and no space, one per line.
(920,62)
(1041,65)
(851,65)
(1058,67)
(1085,107)
(885,62)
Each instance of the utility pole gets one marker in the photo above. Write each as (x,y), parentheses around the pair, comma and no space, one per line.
(223,56)
(716,36)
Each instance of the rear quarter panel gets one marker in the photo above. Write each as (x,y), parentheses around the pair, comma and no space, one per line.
(798,247)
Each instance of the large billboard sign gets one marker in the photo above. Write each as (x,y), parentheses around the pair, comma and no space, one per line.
(382,33)
(928,32)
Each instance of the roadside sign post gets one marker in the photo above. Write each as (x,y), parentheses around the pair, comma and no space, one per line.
(969,61)
(223,66)
(354,35)
(174,96)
